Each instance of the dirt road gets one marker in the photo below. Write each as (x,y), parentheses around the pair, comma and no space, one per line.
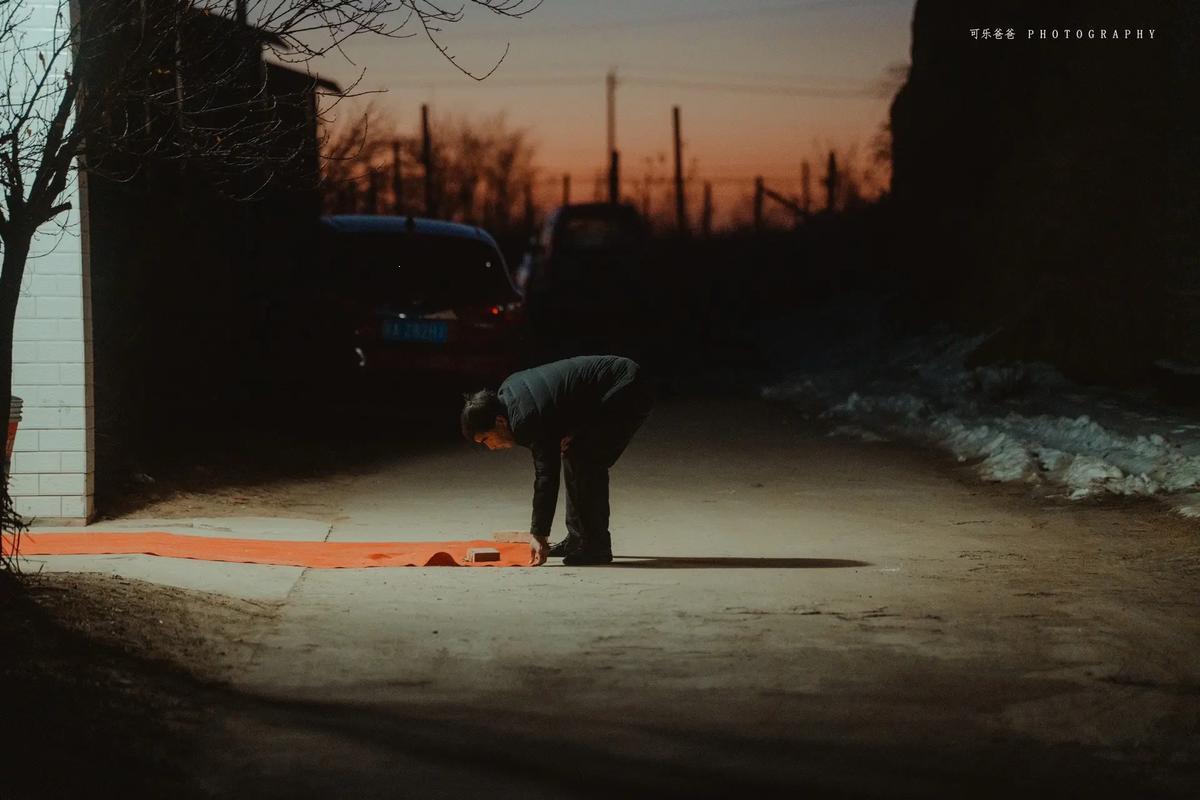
(788,612)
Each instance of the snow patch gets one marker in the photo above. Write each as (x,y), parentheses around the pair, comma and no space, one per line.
(1186,504)
(1018,422)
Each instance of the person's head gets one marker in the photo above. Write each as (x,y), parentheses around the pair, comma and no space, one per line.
(484,422)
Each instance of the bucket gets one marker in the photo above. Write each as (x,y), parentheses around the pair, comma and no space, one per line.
(14,418)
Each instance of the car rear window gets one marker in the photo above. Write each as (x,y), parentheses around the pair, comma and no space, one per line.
(413,269)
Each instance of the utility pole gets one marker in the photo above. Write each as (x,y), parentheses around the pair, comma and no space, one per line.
(614,178)
(758,204)
(566,189)
(397,180)
(680,200)
(831,183)
(614,161)
(706,216)
(427,159)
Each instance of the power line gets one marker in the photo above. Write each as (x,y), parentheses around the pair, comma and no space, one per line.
(667,72)
(826,92)
(515,83)
(675,70)
(749,88)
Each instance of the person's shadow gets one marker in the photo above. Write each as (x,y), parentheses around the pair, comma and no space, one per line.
(725,562)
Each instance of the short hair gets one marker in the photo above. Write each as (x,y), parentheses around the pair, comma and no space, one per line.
(479,413)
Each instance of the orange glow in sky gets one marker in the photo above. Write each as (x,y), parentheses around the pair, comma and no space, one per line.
(762,84)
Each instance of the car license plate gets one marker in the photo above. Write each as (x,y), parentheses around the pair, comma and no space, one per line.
(415,330)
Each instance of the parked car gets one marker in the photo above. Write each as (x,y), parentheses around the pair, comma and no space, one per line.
(585,276)
(422,295)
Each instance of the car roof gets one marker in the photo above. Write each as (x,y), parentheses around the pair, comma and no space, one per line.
(613,211)
(383,224)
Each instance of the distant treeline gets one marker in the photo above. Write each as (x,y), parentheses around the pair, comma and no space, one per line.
(484,172)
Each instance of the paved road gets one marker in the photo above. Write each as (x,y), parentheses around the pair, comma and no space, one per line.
(788,611)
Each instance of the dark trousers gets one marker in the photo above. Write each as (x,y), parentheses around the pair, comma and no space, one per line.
(592,453)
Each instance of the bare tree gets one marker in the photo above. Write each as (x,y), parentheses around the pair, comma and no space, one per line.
(352,152)
(112,85)
(509,170)
(481,168)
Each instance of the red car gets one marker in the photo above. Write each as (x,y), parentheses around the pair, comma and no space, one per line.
(423,295)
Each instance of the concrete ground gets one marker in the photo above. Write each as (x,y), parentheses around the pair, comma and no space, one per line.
(788,612)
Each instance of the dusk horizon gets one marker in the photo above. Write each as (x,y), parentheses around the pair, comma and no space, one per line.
(749,109)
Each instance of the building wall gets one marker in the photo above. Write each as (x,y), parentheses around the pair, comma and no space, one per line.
(1045,188)
(53,463)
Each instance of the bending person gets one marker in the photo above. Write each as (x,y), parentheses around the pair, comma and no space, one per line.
(577,416)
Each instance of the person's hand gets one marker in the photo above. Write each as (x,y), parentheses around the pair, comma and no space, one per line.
(566,444)
(539,551)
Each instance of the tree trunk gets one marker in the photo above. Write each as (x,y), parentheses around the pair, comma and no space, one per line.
(16,251)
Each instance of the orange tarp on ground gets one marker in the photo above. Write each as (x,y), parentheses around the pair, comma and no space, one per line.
(262,551)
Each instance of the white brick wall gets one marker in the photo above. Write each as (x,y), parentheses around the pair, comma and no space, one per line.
(53,465)
(54,454)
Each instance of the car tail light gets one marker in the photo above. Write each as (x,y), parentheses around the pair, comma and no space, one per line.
(491,313)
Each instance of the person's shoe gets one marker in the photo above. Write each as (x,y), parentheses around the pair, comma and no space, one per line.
(587,558)
(568,545)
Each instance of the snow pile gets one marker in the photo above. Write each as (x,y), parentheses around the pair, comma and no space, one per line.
(1019,422)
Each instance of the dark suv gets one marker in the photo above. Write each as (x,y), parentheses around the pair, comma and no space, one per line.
(585,277)
(422,295)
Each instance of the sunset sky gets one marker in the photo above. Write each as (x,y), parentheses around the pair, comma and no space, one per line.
(762,83)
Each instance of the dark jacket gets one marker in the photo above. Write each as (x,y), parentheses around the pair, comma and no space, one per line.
(559,399)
